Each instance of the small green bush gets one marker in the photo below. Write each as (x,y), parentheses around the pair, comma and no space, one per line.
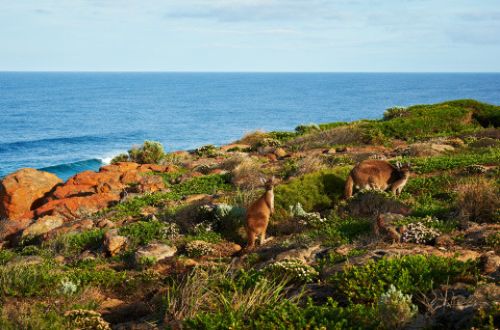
(411,274)
(395,309)
(315,191)
(143,232)
(458,160)
(74,244)
(288,315)
(293,270)
(208,150)
(151,152)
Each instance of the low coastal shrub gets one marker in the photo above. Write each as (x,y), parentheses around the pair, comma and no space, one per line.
(315,191)
(151,152)
(289,315)
(292,270)
(477,200)
(396,309)
(74,244)
(144,232)
(457,160)
(411,274)
(336,231)
(208,184)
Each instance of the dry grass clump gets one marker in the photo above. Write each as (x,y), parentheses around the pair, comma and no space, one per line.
(201,292)
(247,175)
(350,134)
(234,161)
(478,200)
(253,138)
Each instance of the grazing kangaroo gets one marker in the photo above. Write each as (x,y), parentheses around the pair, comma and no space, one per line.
(258,215)
(379,175)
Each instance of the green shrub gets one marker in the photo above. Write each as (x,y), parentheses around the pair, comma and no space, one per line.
(150,152)
(208,184)
(143,232)
(421,121)
(293,270)
(460,160)
(307,128)
(411,274)
(282,136)
(208,150)
(395,112)
(315,191)
(197,248)
(120,158)
(74,244)
(287,315)
(27,280)
(340,231)
(395,309)
(486,114)
(33,316)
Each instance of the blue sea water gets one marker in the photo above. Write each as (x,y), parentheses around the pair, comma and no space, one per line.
(69,122)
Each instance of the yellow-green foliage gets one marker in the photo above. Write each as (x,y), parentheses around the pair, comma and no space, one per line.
(314,191)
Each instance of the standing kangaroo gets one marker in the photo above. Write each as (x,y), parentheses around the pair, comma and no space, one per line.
(258,215)
(379,175)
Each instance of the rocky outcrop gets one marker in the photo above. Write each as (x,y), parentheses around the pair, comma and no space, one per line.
(89,192)
(24,190)
(74,207)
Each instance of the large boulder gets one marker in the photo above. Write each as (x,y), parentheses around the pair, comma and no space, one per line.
(75,207)
(23,191)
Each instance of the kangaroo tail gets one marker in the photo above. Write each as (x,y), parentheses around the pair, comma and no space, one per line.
(348,187)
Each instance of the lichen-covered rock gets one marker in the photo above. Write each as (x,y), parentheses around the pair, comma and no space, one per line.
(23,190)
(154,251)
(43,225)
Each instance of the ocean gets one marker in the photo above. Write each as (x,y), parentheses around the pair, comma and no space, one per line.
(65,123)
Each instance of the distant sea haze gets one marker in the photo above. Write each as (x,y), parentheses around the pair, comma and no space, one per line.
(69,122)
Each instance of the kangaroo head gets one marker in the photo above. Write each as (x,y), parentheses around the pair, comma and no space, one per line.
(269,183)
(404,169)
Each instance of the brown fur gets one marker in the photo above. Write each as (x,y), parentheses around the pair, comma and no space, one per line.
(258,215)
(378,175)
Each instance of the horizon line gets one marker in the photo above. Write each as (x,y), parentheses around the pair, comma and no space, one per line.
(275,72)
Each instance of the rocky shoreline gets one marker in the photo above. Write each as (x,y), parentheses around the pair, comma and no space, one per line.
(131,242)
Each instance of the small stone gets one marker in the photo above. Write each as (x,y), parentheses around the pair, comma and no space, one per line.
(280,152)
(155,250)
(490,262)
(105,223)
(114,243)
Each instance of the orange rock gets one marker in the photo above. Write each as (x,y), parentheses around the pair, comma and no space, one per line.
(131,176)
(9,229)
(151,183)
(77,206)
(91,178)
(23,190)
(71,190)
(119,167)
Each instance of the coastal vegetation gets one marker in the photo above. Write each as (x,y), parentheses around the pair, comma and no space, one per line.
(155,240)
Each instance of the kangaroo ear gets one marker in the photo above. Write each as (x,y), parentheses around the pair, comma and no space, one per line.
(398,164)
(263,180)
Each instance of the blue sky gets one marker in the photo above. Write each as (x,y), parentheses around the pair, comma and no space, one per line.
(250,35)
